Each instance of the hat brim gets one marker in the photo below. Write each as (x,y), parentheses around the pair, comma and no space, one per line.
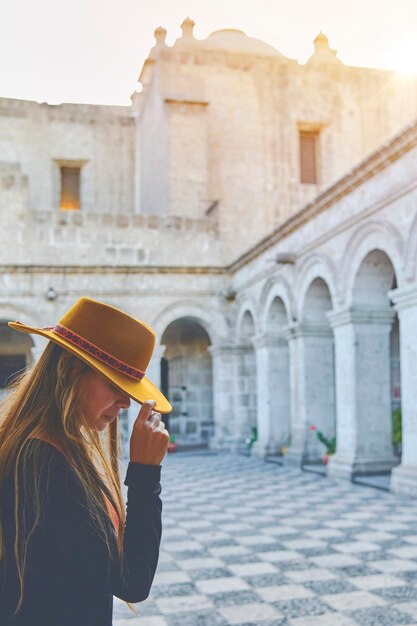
(138,390)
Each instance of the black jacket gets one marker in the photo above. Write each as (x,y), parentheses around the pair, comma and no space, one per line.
(70,579)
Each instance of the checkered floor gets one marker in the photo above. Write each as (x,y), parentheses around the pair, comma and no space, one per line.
(251,543)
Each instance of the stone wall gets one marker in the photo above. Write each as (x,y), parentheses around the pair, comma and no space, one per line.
(357,243)
(231,121)
(100,139)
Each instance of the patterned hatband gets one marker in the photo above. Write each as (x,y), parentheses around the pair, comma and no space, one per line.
(96,352)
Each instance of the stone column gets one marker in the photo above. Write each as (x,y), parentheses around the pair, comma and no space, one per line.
(224,359)
(245,389)
(363,392)
(153,370)
(312,390)
(273,417)
(404,477)
(36,352)
(296,452)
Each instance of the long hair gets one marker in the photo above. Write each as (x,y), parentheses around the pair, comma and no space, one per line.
(44,403)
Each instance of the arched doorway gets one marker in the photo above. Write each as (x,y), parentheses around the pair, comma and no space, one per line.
(278,375)
(378,394)
(246,383)
(15,354)
(319,370)
(186,376)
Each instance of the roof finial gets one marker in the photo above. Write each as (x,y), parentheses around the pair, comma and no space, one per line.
(160,35)
(187,27)
(321,44)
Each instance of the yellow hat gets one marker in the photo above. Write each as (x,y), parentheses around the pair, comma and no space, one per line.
(110,341)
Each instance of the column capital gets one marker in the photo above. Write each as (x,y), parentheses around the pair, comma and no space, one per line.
(305,329)
(342,317)
(404,297)
(269,340)
(221,349)
(159,351)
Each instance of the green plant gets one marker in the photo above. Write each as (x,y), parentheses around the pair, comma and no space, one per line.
(329,443)
(250,441)
(397,432)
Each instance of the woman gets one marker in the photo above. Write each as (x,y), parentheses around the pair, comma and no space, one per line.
(66,544)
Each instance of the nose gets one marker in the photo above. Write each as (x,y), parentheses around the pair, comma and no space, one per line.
(123,401)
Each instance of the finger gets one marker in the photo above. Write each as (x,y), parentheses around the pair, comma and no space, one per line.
(146,410)
(154,419)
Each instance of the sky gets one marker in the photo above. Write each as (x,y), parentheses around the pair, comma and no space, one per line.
(92,51)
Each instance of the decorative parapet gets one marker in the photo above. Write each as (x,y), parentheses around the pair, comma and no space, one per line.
(120,221)
(83,113)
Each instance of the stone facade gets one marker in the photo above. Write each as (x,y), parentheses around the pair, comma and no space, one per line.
(278,305)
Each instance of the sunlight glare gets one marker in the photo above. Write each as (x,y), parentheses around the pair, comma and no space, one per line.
(404,58)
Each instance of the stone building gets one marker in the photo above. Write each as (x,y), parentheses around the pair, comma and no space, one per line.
(261,215)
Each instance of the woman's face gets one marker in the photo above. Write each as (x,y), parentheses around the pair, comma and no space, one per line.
(100,401)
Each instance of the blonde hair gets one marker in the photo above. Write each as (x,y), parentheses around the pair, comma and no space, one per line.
(44,403)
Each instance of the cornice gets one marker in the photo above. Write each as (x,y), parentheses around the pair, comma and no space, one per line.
(404,297)
(342,317)
(368,168)
(110,269)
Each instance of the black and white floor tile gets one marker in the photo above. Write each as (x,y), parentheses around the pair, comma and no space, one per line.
(250,543)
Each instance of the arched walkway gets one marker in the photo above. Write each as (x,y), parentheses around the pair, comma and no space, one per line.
(367,365)
(15,354)
(377,355)
(245,379)
(319,385)
(273,371)
(186,376)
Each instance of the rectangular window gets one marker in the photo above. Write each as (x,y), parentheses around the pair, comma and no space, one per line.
(70,187)
(308,157)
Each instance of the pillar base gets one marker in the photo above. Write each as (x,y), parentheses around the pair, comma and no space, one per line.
(227,442)
(294,457)
(404,480)
(262,449)
(347,467)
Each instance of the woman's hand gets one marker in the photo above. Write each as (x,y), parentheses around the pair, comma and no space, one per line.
(149,439)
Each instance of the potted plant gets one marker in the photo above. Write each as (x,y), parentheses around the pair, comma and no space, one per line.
(285,447)
(172,446)
(397,431)
(252,439)
(329,443)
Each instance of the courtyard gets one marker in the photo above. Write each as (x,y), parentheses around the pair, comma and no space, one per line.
(251,543)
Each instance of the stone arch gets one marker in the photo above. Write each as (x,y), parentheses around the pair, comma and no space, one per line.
(313,267)
(319,364)
(372,236)
(376,337)
(374,278)
(317,303)
(246,372)
(275,287)
(213,322)
(410,254)
(246,328)
(9,313)
(186,378)
(15,353)
(246,316)
(274,370)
